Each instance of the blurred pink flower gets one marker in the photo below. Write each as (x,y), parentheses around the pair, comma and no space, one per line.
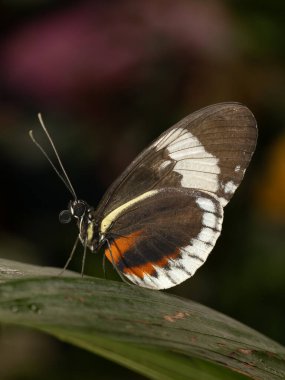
(90,48)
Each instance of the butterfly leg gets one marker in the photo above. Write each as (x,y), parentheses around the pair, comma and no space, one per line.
(70,256)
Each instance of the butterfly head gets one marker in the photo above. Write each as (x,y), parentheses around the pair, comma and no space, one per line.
(80,211)
(76,209)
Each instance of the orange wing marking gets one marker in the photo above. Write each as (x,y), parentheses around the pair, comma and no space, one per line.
(121,245)
(148,268)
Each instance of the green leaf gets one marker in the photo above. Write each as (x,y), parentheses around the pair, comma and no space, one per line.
(153,333)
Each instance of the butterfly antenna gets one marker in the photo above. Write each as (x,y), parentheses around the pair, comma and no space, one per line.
(65,179)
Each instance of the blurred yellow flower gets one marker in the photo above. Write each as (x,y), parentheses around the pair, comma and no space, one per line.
(271,190)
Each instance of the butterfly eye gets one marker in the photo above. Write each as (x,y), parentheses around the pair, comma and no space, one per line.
(65,216)
(79,209)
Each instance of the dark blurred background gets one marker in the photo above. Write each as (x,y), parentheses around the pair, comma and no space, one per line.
(109,77)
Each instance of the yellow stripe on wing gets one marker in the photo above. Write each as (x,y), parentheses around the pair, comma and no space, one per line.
(109,219)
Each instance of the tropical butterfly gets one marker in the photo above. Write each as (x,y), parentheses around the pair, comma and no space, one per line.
(158,222)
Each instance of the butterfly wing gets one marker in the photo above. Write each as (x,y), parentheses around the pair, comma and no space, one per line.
(205,155)
(160,241)
(208,150)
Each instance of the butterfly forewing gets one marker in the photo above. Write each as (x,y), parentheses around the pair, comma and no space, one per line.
(163,215)
(208,150)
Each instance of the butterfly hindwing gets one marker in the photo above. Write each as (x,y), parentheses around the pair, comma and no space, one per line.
(162,239)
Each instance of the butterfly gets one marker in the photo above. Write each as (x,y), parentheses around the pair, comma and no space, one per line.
(158,222)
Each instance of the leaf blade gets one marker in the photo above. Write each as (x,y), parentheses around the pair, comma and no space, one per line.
(98,315)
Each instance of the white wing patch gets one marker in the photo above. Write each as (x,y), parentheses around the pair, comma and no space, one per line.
(199,168)
(230,187)
(206,204)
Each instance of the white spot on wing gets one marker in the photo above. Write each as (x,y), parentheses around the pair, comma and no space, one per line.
(166,278)
(209,220)
(206,204)
(207,235)
(188,262)
(237,168)
(198,248)
(230,187)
